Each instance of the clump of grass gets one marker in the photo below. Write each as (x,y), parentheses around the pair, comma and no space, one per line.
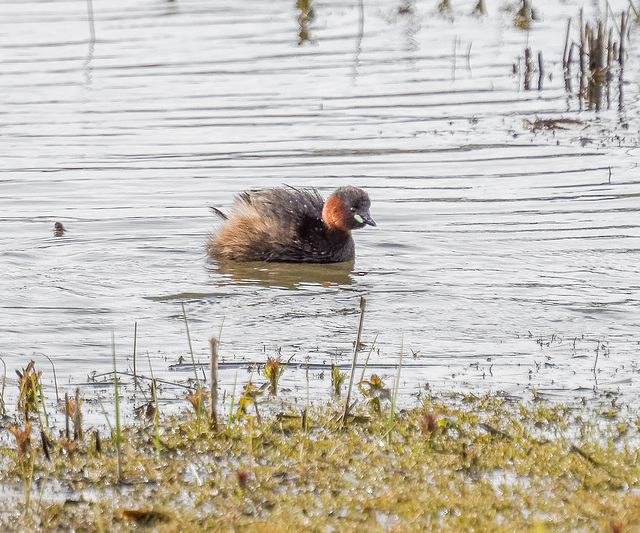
(601,55)
(525,16)
(28,382)
(250,395)
(23,440)
(337,378)
(375,391)
(273,370)
(197,398)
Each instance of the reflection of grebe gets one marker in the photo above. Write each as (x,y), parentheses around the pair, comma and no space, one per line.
(283,275)
(58,229)
(292,226)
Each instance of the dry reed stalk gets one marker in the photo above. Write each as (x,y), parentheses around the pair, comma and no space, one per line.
(96,433)
(45,445)
(66,416)
(77,418)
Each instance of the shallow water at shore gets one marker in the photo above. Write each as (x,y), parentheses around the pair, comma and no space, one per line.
(506,258)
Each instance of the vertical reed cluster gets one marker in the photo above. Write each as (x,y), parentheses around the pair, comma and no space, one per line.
(600,52)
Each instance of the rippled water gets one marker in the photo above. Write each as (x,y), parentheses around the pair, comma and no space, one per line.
(505,258)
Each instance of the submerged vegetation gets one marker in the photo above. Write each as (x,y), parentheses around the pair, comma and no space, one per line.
(452,463)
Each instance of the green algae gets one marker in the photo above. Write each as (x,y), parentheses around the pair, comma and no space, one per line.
(451,464)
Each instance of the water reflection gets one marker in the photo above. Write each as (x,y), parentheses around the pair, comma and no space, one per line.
(287,275)
(88,66)
(356,58)
(304,18)
(412,27)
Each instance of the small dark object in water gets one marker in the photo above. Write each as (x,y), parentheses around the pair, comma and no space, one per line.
(58,229)
(554,124)
(292,226)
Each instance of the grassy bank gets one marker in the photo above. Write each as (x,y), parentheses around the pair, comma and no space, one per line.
(450,464)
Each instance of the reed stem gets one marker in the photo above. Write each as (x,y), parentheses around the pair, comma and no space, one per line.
(44,410)
(156,417)
(356,347)
(193,360)
(233,397)
(117,401)
(96,434)
(366,361)
(214,383)
(55,379)
(305,421)
(135,343)
(77,418)
(394,396)
(66,416)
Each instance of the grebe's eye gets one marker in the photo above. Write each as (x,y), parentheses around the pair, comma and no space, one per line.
(352,209)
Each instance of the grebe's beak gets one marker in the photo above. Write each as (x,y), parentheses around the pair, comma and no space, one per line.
(364,218)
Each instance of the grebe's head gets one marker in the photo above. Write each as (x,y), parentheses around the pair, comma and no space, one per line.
(347,209)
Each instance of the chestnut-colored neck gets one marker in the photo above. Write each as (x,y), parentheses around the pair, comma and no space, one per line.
(333,214)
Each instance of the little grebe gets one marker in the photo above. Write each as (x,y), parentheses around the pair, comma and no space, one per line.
(292,226)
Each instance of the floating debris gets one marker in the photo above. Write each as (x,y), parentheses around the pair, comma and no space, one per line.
(58,229)
(554,124)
